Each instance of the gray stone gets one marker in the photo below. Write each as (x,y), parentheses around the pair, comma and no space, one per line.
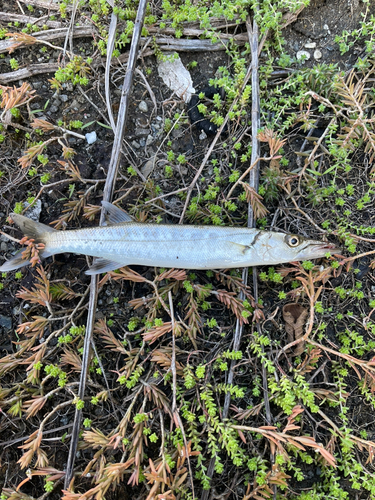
(143,106)
(149,140)
(64,97)
(34,211)
(136,145)
(74,105)
(141,132)
(148,167)
(54,109)
(6,322)
(3,246)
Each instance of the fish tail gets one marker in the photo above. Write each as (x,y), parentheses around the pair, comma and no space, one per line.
(35,230)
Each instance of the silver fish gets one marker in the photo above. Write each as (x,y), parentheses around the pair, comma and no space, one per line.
(124,242)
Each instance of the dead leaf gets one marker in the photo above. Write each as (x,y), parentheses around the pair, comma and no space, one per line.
(295,316)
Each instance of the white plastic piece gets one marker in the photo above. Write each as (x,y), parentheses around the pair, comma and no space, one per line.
(177,78)
(91,137)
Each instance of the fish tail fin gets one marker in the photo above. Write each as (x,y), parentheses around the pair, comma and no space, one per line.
(31,229)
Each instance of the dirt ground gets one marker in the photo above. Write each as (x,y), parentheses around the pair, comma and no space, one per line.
(345,399)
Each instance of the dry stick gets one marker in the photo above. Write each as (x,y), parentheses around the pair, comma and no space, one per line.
(10,17)
(110,47)
(253,181)
(107,196)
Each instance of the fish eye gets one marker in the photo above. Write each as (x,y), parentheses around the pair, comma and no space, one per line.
(292,240)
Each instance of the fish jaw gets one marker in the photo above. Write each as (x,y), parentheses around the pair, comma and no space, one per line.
(316,250)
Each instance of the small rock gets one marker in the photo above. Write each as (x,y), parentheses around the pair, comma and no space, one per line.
(326,27)
(56,102)
(91,137)
(53,109)
(310,45)
(143,106)
(34,211)
(64,97)
(149,140)
(74,105)
(6,322)
(141,132)
(302,53)
(202,135)
(37,85)
(3,246)
(317,54)
(136,145)
(148,167)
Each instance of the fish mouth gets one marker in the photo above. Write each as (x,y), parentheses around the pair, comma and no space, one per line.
(327,247)
(316,250)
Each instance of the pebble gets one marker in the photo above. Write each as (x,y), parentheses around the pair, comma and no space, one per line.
(317,54)
(202,135)
(3,246)
(302,53)
(149,140)
(6,322)
(53,109)
(64,97)
(148,167)
(91,137)
(74,105)
(310,45)
(136,145)
(141,132)
(34,211)
(143,106)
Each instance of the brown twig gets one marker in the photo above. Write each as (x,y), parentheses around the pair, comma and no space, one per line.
(253,181)
(107,196)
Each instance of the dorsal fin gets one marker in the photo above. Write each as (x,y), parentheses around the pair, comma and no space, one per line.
(115,215)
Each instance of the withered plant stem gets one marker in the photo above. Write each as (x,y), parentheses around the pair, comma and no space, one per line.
(107,196)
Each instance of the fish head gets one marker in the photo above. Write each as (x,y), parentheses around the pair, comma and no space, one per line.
(281,248)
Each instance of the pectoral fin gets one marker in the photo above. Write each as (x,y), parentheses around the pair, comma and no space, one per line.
(103,266)
(241,248)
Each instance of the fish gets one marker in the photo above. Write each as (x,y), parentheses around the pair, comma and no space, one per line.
(124,241)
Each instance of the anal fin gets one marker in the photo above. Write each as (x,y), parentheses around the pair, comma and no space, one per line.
(103,266)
